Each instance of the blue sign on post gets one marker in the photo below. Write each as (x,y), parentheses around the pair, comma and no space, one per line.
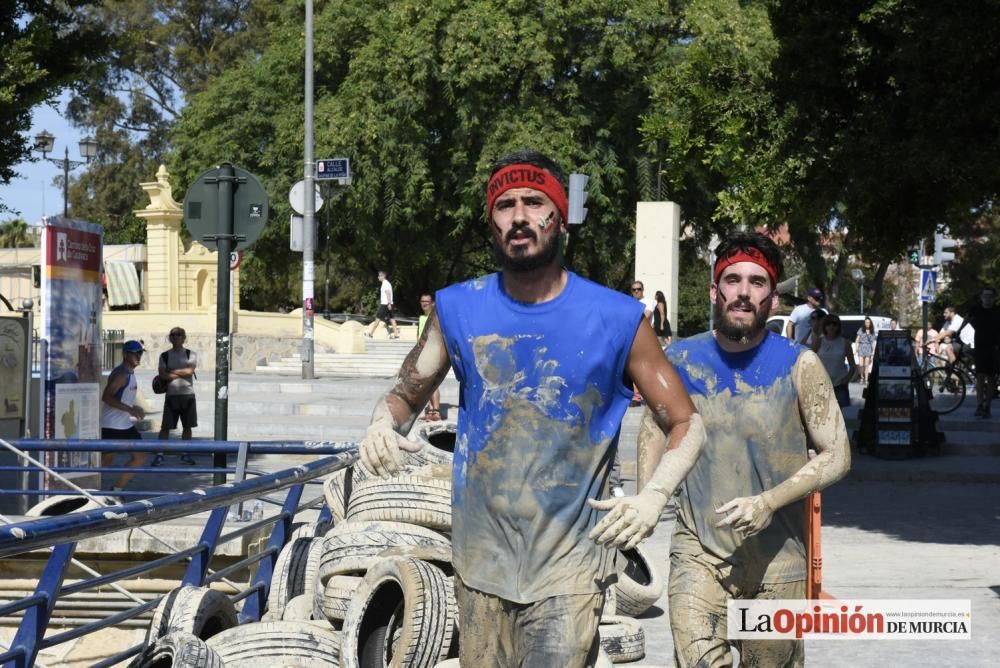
(338,169)
(928,285)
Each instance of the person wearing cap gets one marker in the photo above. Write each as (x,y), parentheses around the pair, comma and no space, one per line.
(798,326)
(765,400)
(545,360)
(118,409)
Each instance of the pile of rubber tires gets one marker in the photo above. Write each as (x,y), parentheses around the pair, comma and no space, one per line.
(374,589)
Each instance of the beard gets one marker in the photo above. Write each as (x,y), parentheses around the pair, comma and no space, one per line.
(519,261)
(736,331)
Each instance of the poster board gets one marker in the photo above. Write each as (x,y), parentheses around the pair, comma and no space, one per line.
(71,309)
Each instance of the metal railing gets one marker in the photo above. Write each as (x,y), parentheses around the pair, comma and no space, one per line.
(113,341)
(64,531)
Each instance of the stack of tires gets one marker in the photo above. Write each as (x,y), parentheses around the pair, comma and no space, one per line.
(373,590)
(639,586)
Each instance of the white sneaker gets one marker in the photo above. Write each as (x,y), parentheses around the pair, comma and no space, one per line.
(617,492)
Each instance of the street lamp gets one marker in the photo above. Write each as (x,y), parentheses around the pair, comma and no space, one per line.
(859,276)
(45,143)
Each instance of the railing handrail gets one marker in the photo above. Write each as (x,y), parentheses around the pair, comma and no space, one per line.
(151,445)
(44,532)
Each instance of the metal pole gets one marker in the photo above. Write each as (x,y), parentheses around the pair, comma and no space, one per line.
(326,261)
(308,240)
(861,295)
(225,229)
(65,165)
(923,355)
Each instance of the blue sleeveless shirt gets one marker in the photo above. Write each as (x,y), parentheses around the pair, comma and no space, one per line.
(755,440)
(542,397)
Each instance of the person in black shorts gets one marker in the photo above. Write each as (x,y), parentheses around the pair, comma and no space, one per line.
(384,313)
(177,368)
(118,409)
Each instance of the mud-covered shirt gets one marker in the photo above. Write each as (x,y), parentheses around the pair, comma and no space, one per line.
(542,396)
(756,439)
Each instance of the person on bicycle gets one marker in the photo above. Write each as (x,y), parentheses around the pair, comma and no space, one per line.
(954,335)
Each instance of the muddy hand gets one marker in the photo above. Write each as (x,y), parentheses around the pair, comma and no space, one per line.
(629,519)
(747,516)
(380,450)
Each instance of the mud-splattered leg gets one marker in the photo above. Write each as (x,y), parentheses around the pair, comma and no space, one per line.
(697,607)
(486,624)
(560,631)
(777,653)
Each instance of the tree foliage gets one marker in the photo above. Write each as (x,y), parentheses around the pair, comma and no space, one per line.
(16,233)
(422,96)
(163,51)
(44,47)
(871,119)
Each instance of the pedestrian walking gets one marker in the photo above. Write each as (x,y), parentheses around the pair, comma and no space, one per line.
(638,290)
(985,318)
(865,341)
(835,352)
(177,369)
(740,528)
(118,410)
(661,324)
(798,326)
(542,404)
(384,313)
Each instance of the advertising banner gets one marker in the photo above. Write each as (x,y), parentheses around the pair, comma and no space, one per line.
(71,318)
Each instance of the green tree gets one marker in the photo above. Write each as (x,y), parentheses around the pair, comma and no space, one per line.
(422,96)
(163,52)
(16,233)
(44,47)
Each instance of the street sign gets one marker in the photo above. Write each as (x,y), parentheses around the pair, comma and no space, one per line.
(334,169)
(297,198)
(234,260)
(928,285)
(249,208)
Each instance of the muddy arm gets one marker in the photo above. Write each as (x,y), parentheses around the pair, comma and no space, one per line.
(395,412)
(824,423)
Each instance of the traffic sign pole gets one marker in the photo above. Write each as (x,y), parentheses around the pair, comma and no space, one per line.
(308,236)
(225,229)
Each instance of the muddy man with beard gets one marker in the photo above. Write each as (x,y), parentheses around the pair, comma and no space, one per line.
(765,400)
(545,360)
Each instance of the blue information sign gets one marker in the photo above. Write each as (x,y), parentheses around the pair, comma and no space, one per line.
(334,168)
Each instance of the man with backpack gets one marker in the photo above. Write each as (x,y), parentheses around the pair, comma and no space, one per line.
(177,370)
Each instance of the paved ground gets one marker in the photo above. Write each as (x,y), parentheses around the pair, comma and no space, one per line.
(922,528)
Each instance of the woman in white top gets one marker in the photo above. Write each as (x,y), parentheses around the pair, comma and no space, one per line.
(837,357)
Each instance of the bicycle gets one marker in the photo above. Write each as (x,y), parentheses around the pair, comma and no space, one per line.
(944,381)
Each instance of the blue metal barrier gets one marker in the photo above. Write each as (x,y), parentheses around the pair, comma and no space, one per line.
(66,530)
(242,449)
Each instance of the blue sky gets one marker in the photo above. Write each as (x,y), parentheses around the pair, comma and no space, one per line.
(34,193)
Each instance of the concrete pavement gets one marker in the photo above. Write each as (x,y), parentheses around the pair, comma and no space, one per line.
(918,528)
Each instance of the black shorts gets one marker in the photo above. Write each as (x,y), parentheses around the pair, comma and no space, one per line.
(384,314)
(179,406)
(130,434)
(987,359)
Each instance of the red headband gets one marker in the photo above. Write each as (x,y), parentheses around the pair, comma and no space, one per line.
(526,176)
(747,255)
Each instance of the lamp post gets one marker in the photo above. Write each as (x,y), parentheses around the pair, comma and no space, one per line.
(45,142)
(859,276)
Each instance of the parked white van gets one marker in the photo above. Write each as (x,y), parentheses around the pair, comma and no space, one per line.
(849,324)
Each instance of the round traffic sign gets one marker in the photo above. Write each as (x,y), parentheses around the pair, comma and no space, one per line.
(297,198)
(248,207)
(234,260)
